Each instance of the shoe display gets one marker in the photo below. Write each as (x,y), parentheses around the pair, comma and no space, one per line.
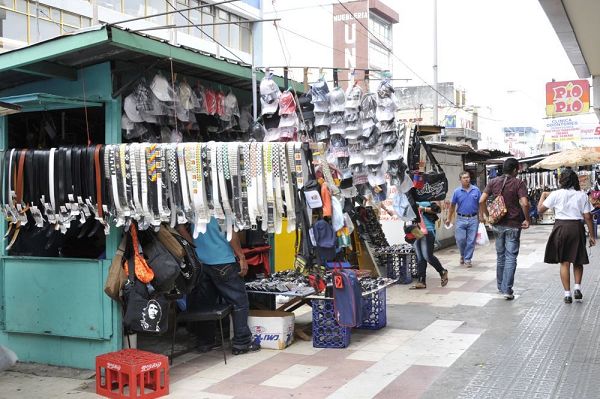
(577,295)
(444,277)
(568,299)
(253,347)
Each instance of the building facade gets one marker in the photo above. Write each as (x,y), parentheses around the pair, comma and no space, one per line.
(25,22)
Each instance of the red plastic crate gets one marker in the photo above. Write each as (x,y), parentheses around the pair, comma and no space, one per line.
(131,373)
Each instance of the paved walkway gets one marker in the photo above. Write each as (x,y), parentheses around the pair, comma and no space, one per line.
(461,341)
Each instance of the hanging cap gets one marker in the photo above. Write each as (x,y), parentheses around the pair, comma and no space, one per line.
(337,100)
(230,104)
(287,104)
(161,88)
(126,123)
(368,106)
(131,109)
(319,91)
(269,96)
(185,95)
(353,97)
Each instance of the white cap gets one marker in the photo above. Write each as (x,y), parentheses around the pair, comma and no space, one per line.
(131,109)
(269,96)
(185,95)
(337,100)
(337,128)
(148,117)
(321,106)
(126,123)
(322,119)
(161,88)
(385,114)
(353,97)
(230,103)
(290,120)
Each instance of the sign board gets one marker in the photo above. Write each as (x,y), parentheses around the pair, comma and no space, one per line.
(571,130)
(350,39)
(567,98)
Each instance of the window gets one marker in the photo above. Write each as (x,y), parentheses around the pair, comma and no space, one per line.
(196,18)
(13,30)
(112,4)
(246,37)
(156,7)
(208,18)
(134,7)
(222,30)
(71,19)
(380,29)
(234,32)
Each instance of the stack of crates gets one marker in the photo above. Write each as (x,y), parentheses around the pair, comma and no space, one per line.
(326,331)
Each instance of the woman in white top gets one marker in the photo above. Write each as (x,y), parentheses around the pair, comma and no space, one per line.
(566,243)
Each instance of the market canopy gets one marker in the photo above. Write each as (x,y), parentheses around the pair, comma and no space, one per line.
(574,157)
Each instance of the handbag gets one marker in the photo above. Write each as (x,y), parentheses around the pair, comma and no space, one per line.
(347,298)
(165,266)
(166,236)
(116,275)
(433,185)
(496,206)
(142,271)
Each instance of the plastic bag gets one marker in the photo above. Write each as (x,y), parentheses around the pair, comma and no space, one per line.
(482,236)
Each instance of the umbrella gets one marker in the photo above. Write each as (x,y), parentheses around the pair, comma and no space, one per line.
(573,157)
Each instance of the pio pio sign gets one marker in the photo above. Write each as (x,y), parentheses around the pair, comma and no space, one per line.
(567,98)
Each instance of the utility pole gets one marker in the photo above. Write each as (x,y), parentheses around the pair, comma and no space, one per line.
(435,65)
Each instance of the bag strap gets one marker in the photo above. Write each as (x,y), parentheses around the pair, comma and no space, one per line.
(434,162)
(503,184)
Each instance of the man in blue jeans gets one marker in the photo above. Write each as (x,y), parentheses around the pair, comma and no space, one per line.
(224,266)
(465,201)
(508,229)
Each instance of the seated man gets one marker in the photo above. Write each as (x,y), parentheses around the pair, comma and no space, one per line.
(222,276)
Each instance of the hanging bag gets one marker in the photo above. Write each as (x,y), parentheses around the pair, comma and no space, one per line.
(496,206)
(347,298)
(143,271)
(433,185)
(116,275)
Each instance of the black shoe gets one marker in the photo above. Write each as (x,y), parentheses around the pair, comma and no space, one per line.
(568,299)
(577,295)
(253,347)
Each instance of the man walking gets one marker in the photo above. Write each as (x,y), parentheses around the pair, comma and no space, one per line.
(465,201)
(508,229)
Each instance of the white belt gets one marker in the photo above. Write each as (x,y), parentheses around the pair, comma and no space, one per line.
(185,194)
(224,169)
(218,210)
(286,163)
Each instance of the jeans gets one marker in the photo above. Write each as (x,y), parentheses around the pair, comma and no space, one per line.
(466,234)
(424,251)
(224,281)
(508,240)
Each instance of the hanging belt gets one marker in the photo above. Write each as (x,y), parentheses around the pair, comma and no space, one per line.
(260,186)
(19,184)
(146,211)
(223,175)
(114,183)
(270,197)
(173,183)
(207,176)
(163,211)
(244,166)
(134,162)
(98,176)
(286,163)
(203,209)
(183,186)
(195,182)
(255,159)
(214,169)
(151,163)
(278,209)
(233,153)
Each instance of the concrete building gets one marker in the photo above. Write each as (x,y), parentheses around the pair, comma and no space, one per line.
(25,22)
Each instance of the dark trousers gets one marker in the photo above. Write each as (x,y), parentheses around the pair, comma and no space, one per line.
(223,281)
(424,251)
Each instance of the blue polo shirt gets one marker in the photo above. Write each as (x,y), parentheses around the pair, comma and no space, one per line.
(212,247)
(466,201)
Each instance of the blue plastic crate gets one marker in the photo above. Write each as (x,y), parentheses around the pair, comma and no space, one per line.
(399,267)
(326,332)
(374,311)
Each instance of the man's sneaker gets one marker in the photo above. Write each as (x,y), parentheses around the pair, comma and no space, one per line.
(577,295)
(509,297)
(568,299)
(253,347)
(468,263)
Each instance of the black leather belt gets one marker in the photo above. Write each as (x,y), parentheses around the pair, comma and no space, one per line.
(465,215)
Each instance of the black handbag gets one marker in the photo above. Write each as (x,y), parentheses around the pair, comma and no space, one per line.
(191,267)
(165,266)
(435,184)
(145,309)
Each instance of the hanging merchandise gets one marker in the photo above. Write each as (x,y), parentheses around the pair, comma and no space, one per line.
(433,185)
(269,94)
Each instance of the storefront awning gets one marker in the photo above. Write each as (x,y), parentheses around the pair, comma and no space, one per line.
(63,56)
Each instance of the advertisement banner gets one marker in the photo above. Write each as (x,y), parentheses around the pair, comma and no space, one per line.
(567,98)
(571,130)
(350,39)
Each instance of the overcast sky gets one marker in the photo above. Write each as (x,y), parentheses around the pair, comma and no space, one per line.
(501,52)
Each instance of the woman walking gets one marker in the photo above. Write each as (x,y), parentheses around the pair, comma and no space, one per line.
(424,246)
(566,243)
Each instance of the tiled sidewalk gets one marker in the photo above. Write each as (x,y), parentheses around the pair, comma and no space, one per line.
(463,340)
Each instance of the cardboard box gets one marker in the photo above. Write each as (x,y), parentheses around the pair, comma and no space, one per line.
(273,329)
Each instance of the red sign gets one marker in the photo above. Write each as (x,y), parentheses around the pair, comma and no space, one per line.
(567,98)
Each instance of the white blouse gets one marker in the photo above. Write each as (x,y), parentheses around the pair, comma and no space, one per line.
(568,204)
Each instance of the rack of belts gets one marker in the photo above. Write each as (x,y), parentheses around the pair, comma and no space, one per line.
(242,185)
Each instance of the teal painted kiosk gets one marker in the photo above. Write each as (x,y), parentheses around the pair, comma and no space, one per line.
(53,309)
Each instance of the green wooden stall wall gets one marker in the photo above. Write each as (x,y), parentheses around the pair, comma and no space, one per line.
(54,310)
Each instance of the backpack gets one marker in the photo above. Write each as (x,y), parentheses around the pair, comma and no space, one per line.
(347,298)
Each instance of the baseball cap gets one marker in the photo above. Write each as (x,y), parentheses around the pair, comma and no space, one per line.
(337,128)
(269,96)
(321,133)
(322,119)
(131,109)
(368,106)
(337,100)
(287,133)
(353,97)
(287,104)
(319,92)
(148,117)
(387,126)
(288,120)
(321,106)
(184,93)
(161,88)
(384,113)
(231,108)
(385,89)
(126,123)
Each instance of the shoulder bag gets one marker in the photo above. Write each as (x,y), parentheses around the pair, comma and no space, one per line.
(116,275)
(433,185)
(496,206)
